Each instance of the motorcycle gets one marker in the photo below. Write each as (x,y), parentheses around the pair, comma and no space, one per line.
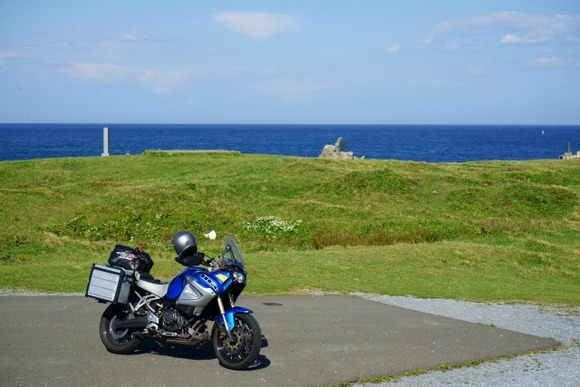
(177,312)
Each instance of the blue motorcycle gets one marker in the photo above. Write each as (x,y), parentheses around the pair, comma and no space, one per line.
(177,312)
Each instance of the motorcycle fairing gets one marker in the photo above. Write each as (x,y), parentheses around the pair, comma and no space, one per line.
(217,281)
(177,285)
(229,315)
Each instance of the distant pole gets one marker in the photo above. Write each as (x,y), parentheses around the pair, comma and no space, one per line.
(105,142)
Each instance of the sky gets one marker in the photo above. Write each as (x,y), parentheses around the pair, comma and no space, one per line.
(290,62)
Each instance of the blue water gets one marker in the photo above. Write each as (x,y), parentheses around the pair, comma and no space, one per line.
(430,143)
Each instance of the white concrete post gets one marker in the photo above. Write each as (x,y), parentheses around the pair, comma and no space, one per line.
(105,142)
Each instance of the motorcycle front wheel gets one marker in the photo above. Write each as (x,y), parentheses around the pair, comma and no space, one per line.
(116,340)
(238,351)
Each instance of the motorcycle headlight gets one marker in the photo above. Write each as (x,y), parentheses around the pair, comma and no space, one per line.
(239,277)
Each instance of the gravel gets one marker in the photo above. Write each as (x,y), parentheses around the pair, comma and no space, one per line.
(555,368)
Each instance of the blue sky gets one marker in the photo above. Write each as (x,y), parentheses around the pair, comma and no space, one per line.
(315,61)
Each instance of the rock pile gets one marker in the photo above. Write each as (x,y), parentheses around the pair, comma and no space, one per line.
(337,151)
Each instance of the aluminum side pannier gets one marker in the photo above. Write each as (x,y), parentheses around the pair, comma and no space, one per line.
(109,284)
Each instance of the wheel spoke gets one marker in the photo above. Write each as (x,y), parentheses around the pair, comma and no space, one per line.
(116,340)
(240,346)
(118,335)
(239,349)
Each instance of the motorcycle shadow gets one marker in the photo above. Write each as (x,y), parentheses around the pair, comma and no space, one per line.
(161,348)
(202,352)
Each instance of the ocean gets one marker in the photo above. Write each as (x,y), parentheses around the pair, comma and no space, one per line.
(428,143)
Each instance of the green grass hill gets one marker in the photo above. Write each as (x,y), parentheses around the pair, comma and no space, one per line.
(479,230)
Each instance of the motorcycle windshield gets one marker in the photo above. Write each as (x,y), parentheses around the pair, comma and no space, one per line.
(232,251)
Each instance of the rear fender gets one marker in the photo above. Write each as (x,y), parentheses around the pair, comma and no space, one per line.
(229,316)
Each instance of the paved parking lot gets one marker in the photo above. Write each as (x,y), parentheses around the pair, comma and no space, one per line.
(308,341)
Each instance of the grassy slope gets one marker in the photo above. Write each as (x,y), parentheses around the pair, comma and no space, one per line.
(482,231)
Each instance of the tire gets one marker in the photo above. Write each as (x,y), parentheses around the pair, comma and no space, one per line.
(241,351)
(119,341)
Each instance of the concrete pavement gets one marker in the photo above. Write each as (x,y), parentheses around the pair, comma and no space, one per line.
(309,341)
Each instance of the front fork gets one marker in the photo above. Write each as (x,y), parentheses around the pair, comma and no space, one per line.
(223,313)
(227,317)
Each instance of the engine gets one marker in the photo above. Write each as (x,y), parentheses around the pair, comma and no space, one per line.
(173,321)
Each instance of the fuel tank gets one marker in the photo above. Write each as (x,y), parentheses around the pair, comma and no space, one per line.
(194,288)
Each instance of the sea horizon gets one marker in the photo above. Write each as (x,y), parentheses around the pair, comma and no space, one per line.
(425,142)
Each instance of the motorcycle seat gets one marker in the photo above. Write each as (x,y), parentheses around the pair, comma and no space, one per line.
(155,286)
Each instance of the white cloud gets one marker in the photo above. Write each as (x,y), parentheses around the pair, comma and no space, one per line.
(452,46)
(130,37)
(160,82)
(257,25)
(508,27)
(290,89)
(481,70)
(5,55)
(511,39)
(155,81)
(93,71)
(439,83)
(393,49)
(547,61)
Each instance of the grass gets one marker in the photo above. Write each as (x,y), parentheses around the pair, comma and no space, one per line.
(479,231)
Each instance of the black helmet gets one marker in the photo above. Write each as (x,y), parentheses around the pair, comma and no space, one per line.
(184,243)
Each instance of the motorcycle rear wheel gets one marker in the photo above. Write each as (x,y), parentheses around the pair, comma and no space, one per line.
(116,340)
(241,350)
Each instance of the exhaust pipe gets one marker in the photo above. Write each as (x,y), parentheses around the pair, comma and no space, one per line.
(139,323)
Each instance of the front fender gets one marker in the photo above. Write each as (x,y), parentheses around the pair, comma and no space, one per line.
(229,316)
